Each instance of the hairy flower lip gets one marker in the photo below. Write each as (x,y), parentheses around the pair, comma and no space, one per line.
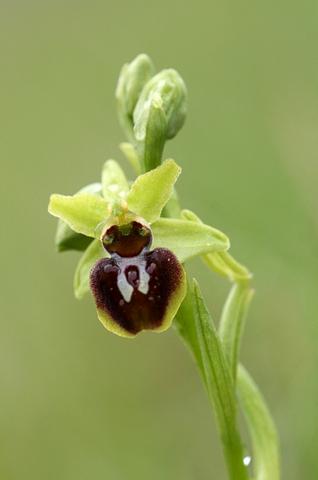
(138,293)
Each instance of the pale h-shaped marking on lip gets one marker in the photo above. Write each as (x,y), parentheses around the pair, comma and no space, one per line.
(124,286)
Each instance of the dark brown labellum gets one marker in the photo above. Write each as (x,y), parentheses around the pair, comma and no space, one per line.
(136,292)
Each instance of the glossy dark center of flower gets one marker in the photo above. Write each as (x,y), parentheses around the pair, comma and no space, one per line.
(127,240)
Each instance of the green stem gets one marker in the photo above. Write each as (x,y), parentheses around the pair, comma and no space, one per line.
(196,328)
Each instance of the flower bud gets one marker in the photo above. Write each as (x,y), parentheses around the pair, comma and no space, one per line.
(132,79)
(167,91)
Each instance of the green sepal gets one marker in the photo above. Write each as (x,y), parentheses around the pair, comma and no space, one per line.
(65,237)
(221,262)
(187,239)
(83,212)
(81,278)
(151,191)
(114,182)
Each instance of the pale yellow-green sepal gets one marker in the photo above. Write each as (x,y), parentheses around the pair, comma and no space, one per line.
(82,212)
(187,239)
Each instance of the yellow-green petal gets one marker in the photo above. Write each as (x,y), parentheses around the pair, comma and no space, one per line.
(151,191)
(188,239)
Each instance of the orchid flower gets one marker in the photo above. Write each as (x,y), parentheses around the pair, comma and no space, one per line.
(133,264)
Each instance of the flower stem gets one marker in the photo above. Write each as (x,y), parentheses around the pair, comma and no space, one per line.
(196,328)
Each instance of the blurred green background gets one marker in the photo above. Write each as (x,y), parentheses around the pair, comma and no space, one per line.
(76,402)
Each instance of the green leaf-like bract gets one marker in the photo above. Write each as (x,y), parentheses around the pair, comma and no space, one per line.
(265,443)
(232,322)
(150,149)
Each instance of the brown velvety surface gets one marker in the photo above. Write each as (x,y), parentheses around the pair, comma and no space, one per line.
(143,311)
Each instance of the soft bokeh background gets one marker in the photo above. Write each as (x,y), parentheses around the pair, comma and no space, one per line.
(77,403)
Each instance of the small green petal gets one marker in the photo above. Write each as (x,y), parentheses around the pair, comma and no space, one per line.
(187,239)
(114,183)
(81,278)
(151,191)
(83,212)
